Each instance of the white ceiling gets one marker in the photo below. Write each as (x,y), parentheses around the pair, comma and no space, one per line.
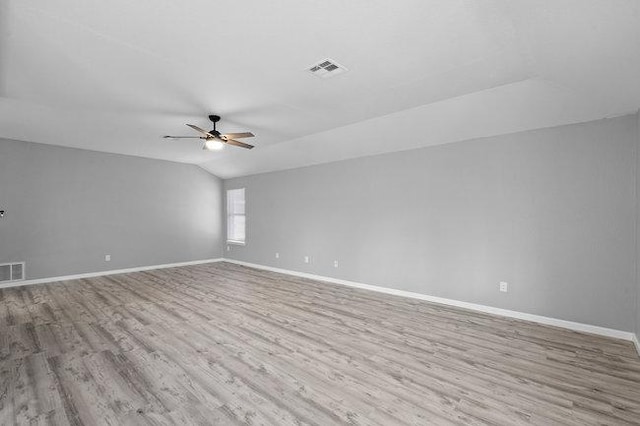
(116,75)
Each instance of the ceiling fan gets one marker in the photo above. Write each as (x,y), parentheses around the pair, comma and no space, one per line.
(213,139)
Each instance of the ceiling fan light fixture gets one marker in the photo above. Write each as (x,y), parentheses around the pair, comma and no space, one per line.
(213,144)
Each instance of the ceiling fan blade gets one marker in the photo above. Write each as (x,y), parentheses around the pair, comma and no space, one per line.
(238,143)
(238,135)
(181,137)
(198,129)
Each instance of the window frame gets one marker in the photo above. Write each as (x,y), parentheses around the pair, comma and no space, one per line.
(229,214)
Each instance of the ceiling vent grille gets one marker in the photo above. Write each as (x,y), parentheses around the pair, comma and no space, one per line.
(10,272)
(327,68)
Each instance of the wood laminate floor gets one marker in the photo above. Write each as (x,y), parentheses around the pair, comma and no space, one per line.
(224,344)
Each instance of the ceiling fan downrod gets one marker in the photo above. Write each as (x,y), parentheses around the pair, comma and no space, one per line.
(214,119)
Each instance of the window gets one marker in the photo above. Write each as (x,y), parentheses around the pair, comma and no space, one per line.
(235,216)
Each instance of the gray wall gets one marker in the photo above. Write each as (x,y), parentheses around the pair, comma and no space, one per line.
(637,329)
(551,211)
(67,208)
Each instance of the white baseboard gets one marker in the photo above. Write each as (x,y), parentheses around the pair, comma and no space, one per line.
(575,326)
(102,273)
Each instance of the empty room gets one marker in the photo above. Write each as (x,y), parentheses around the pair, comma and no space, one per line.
(319,212)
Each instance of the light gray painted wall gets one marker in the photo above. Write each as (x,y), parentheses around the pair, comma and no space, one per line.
(550,211)
(67,208)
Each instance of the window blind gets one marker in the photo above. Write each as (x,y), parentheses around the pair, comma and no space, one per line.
(236,216)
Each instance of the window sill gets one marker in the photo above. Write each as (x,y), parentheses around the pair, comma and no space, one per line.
(236,243)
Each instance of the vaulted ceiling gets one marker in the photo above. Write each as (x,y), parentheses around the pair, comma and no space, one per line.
(116,75)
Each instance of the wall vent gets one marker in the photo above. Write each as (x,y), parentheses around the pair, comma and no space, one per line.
(327,68)
(10,272)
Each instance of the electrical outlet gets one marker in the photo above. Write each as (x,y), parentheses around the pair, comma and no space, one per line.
(107,258)
(504,287)
(335,263)
(306,259)
(277,255)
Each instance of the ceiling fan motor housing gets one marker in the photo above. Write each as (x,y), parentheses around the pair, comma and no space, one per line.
(214,132)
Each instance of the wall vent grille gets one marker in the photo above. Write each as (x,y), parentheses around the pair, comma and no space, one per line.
(327,68)
(10,272)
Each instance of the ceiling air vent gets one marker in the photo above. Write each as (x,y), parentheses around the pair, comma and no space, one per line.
(10,272)
(327,68)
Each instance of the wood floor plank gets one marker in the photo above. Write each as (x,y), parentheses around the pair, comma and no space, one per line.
(225,344)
